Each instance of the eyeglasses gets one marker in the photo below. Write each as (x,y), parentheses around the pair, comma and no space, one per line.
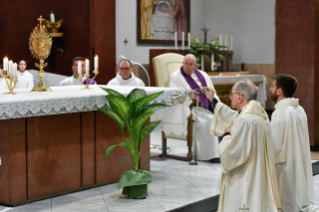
(232,94)
(125,69)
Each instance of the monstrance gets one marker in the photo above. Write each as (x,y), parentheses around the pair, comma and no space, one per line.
(40,46)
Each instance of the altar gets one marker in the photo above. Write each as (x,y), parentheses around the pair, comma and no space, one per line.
(53,143)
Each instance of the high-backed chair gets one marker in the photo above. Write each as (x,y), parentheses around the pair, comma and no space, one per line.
(164,65)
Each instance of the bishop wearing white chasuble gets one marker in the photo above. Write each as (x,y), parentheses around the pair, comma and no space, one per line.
(189,78)
(293,160)
(246,153)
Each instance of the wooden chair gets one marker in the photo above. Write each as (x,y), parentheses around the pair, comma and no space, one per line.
(164,65)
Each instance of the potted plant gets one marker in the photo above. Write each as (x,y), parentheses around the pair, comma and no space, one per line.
(131,113)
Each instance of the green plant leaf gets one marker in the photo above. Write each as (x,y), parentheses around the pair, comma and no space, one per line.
(113,92)
(130,178)
(196,40)
(147,129)
(124,144)
(214,42)
(140,121)
(115,117)
(206,56)
(121,106)
(139,104)
(221,57)
(136,94)
(152,108)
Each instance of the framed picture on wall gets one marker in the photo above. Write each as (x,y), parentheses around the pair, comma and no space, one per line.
(158,20)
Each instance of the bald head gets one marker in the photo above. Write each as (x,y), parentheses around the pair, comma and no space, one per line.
(189,64)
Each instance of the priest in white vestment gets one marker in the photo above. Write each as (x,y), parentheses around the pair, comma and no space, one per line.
(190,78)
(73,79)
(125,76)
(3,83)
(25,79)
(249,177)
(292,151)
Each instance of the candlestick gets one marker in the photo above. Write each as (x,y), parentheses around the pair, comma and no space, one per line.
(189,40)
(87,85)
(183,40)
(175,40)
(80,68)
(226,42)
(87,66)
(96,62)
(5,64)
(52,18)
(231,42)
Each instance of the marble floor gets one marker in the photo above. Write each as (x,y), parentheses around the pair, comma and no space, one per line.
(175,184)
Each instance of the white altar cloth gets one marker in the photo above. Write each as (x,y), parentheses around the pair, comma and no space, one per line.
(70,99)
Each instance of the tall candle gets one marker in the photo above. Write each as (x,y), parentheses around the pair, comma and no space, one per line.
(5,64)
(80,68)
(52,18)
(15,73)
(96,62)
(11,68)
(231,42)
(202,62)
(226,42)
(189,40)
(183,40)
(87,67)
(175,38)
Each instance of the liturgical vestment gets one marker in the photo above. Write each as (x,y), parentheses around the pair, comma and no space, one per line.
(206,145)
(249,176)
(132,81)
(25,80)
(292,154)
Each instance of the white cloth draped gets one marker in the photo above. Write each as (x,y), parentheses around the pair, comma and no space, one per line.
(292,153)
(25,80)
(132,81)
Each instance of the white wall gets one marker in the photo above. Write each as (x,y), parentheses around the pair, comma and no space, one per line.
(126,28)
(251,22)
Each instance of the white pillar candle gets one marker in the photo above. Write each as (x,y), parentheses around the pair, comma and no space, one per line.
(212,61)
(11,68)
(52,18)
(183,40)
(220,40)
(231,42)
(80,68)
(226,42)
(175,38)
(96,62)
(87,67)
(15,72)
(5,64)
(189,40)
(202,62)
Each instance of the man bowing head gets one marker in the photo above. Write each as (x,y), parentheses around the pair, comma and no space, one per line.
(249,176)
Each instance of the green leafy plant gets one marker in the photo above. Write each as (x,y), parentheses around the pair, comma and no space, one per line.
(200,49)
(131,113)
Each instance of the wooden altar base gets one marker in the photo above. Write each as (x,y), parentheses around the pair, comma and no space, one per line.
(48,156)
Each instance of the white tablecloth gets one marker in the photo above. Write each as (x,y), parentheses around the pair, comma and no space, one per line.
(68,99)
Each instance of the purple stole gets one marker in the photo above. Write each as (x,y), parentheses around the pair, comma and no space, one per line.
(191,82)
(88,81)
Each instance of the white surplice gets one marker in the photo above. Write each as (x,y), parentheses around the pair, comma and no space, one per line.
(3,84)
(71,81)
(132,81)
(25,80)
(249,176)
(292,154)
(206,145)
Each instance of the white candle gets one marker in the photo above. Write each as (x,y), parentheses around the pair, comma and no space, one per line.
(203,68)
(80,68)
(220,40)
(183,40)
(231,42)
(226,42)
(175,40)
(87,67)
(11,68)
(5,64)
(212,61)
(52,18)
(189,40)
(96,62)
(15,72)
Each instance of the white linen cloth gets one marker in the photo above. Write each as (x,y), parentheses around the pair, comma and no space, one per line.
(292,153)
(25,80)
(132,81)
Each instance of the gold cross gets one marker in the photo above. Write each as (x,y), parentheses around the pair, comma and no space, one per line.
(40,19)
(244,208)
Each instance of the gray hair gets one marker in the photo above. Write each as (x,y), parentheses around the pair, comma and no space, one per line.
(247,88)
(189,55)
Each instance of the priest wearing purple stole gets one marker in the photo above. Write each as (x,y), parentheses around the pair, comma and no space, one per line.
(192,79)
(73,79)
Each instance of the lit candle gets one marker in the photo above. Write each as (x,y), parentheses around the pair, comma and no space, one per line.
(96,62)
(80,68)
(52,18)
(5,64)
(15,72)
(11,68)
(231,42)
(87,67)
(183,40)
(175,40)
(226,42)
(189,40)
